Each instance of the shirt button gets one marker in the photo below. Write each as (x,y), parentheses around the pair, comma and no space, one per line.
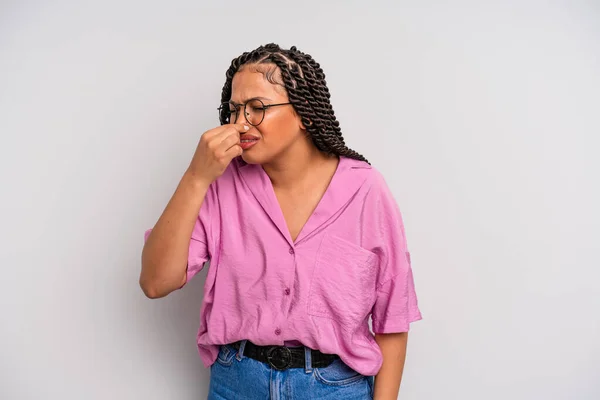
(287,290)
(291,251)
(278,331)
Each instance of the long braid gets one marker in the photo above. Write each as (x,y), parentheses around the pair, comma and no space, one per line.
(304,81)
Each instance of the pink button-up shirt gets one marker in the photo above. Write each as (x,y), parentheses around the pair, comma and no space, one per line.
(350,261)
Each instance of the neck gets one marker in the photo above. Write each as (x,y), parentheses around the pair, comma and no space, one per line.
(296,165)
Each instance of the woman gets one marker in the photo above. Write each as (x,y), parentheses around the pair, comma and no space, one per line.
(304,238)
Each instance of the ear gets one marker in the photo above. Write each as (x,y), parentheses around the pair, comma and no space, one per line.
(303,125)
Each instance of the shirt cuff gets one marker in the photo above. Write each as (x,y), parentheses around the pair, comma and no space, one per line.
(395,324)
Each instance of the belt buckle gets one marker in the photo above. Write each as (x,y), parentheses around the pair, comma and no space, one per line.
(279,357)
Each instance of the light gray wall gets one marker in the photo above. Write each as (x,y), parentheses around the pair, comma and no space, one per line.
(483,116)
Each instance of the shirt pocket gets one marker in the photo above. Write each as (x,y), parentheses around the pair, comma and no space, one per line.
(343,282)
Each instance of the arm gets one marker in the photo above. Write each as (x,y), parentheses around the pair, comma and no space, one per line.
(387,381)
(165,253)
(396,305)
(166,256)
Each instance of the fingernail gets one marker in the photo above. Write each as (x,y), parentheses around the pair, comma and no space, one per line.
(246,127)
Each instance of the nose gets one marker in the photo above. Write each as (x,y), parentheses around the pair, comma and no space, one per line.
(241,110)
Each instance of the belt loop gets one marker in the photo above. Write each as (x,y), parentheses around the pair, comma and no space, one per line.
(240,353)
(307,359)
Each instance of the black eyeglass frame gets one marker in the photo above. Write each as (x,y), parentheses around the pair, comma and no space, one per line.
(224,108)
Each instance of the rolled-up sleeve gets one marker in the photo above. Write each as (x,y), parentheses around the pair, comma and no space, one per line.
(396,304)
(203,235)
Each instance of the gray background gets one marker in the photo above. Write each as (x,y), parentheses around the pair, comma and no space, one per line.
(483,116)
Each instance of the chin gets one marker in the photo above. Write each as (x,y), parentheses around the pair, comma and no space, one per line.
(254,157)
(250,158)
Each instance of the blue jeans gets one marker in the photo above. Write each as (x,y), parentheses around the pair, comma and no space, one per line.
(234,376)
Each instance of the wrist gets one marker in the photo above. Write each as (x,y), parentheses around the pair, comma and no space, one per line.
(197,182)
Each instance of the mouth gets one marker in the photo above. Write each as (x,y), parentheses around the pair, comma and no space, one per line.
(247,141)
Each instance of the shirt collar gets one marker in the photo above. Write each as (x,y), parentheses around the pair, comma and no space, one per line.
(348,178)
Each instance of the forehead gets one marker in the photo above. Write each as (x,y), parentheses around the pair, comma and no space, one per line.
(248,83)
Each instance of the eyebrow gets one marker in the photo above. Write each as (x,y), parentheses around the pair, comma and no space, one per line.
(251,98)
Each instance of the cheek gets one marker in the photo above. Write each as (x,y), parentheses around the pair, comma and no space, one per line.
(278,130)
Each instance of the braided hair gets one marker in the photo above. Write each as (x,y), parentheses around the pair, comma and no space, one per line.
(305,84)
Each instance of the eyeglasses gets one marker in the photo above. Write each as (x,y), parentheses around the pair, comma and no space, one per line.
(254,111)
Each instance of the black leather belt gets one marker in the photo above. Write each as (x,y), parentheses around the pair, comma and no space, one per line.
(283,357)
